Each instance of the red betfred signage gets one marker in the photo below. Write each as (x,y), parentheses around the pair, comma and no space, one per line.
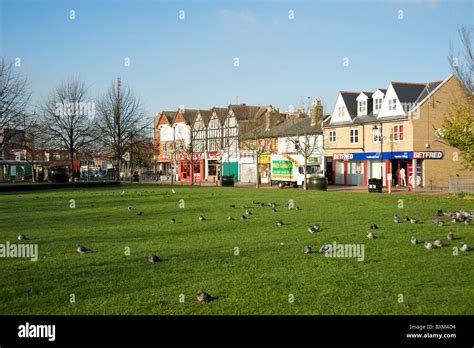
(213,155)
(198,156)
(185,156)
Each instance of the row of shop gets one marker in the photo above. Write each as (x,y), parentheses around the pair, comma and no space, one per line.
(207,167)
(204,167)
(395,168)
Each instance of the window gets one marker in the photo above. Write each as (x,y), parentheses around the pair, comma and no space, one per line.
(392,104)
(362,106)
(163,147)
(378,104)
(332,136)
(341,111)
(398,132)
(212,145)
(377,133)
(354,136)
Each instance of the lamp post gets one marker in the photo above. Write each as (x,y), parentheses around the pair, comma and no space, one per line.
(379,129)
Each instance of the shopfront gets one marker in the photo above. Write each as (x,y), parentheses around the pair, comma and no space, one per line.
(164,167)
(212,164)
(357,168)
(187,168)
(264,168)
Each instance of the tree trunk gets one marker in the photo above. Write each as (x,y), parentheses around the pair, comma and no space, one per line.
(191,170)
(172,165)
(119,168)
(305,170)
(257,183)
(71,156)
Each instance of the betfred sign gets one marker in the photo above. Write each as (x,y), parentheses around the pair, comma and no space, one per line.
(428,154)
(343,156)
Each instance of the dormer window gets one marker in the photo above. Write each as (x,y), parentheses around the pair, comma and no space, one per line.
(392,104)
(377,104)
(362,106)
(341,111)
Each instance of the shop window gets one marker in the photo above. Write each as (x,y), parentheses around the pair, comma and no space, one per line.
(212,170)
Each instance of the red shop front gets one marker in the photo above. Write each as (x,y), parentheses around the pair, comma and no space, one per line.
(186,170)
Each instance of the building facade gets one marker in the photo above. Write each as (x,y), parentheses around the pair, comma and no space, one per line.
(388,134)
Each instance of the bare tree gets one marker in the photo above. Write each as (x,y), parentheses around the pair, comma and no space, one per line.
(463,66)
(186,146)
(141,152)
(14,97)
(67,119)
(305,145)
(305,137)
(258,142)
(119,114)
(32,142)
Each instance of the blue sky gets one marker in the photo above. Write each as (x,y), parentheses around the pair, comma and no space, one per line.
(190,61)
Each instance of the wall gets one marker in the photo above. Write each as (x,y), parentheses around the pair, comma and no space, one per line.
(429,118)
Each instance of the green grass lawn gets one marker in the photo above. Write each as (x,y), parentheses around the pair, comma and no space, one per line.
(200,255)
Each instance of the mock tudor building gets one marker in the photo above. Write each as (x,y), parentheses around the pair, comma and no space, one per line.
(164,142)
(384,133)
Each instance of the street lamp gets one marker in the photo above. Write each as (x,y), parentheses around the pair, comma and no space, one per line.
(379,129)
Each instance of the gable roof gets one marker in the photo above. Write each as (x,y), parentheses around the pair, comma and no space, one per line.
(205,115)
(432,87)
(220,112)
(247,112)
(169,115)
(296,126)
(350,99)
(408,92)
(429,87)
(189,115)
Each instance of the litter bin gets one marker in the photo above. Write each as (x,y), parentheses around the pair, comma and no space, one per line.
(318,183)
(375,185)
(227,180)
(59,174)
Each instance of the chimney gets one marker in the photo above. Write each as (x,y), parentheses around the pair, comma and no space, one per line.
(316,112)
(268,120)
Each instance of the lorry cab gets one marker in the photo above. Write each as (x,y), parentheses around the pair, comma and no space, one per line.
(288,170)
(311,170)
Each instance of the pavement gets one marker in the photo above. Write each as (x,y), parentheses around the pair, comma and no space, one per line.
(331,188)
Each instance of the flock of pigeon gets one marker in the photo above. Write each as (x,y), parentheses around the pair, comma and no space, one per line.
(457,216)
